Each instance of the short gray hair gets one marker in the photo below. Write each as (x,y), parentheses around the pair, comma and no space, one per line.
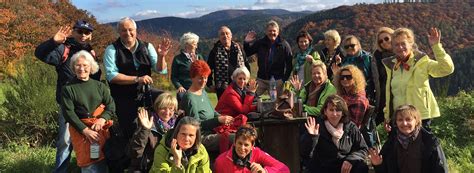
(123,20)
(88,57)
(272,23)
(240,70)
(188,38)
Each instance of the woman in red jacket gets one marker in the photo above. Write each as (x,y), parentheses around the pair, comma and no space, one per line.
(237,97)
(244,157)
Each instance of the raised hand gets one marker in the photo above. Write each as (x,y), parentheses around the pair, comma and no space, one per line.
(252,85)
(177,152)
(295,81)
(346,167)
(61,36)
(143,117)
(251,36)
(309,58)
(311,126)
(374,156)
(164,47)
(181,90)
(434,36)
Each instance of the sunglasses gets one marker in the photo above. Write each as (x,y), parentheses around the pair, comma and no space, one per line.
(386,39)
(82,31)
(346,77)
(350,46)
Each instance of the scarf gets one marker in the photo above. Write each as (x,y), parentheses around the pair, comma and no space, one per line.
(407,139)
(402,65)
(239,91)
(336,132)
(245,162)
(161,125)
(301,58)
(314,94)
(221,72)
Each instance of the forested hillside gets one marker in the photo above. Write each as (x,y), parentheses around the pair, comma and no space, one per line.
(455,19)
(25,24)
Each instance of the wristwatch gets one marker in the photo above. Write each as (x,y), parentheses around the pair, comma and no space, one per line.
(136,79)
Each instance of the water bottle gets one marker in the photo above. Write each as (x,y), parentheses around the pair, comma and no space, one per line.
(94,150)
(259,105)
(273,89)
(300,107)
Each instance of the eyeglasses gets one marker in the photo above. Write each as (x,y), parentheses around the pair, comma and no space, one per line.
(386,39)
(82,31)
(346,77)
(350,46)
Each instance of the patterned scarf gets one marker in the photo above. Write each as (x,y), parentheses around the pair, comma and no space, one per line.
(221,72)
(301,58)
(336,132)
(407,139)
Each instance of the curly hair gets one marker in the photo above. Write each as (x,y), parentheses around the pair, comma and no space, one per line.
(86,56)
(199,68)
(333,34)
(357,76)
(381,30)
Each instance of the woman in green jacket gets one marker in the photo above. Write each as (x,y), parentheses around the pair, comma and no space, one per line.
(304,59)
(182,151)
(408,73)
(314,93)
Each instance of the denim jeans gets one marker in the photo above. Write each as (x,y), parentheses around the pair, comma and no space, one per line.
(99,167)
(63,145)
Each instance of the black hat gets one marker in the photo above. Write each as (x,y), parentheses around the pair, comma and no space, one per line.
(82,24)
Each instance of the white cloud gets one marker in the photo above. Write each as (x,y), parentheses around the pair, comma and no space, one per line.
(260,2)
(146,14)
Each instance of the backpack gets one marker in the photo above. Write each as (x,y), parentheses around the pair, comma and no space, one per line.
(67,49)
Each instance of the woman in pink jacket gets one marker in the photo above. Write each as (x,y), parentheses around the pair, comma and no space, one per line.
(244,157)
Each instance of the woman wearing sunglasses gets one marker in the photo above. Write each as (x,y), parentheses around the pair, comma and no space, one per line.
(383,49)
(354,55)
(408,73)
(245,157)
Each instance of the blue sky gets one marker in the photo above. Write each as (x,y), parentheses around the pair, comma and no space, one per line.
(112,10)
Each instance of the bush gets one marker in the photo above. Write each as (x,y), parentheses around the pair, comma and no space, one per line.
(30,109)
(456,131)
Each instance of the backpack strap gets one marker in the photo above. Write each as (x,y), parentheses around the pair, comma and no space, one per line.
(67,49)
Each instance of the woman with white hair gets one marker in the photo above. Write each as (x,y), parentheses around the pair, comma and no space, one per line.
(182,63)
(87,106)
(238,96)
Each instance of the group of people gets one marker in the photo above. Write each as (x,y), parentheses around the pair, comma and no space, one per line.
(341,87)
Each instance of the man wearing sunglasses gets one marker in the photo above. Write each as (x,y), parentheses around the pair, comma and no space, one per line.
(57,51)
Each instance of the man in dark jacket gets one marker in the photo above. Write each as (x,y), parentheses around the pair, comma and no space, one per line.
(57,51)
(224,58)
(274,56)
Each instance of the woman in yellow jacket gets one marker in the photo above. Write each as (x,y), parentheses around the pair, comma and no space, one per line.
(408,73)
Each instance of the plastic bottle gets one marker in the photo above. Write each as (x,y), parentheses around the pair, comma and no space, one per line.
(273,89)
(94,150)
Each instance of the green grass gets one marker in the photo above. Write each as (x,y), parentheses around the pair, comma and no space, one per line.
(21,158)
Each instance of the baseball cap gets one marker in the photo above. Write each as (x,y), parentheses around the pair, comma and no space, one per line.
(82,24)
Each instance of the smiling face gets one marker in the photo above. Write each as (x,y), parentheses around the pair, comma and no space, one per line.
(128,32)
(191,47)
(82,68)
(82,35)
(199,81)
(318,76)
(333,115)
(352,47)
(329,43)
(241,80)
(406,123)
(303,43)
(225,36)
(243,146)
(166,113)
(186,136)
(272,33)
(401,46)
(346,79)
(385,41)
